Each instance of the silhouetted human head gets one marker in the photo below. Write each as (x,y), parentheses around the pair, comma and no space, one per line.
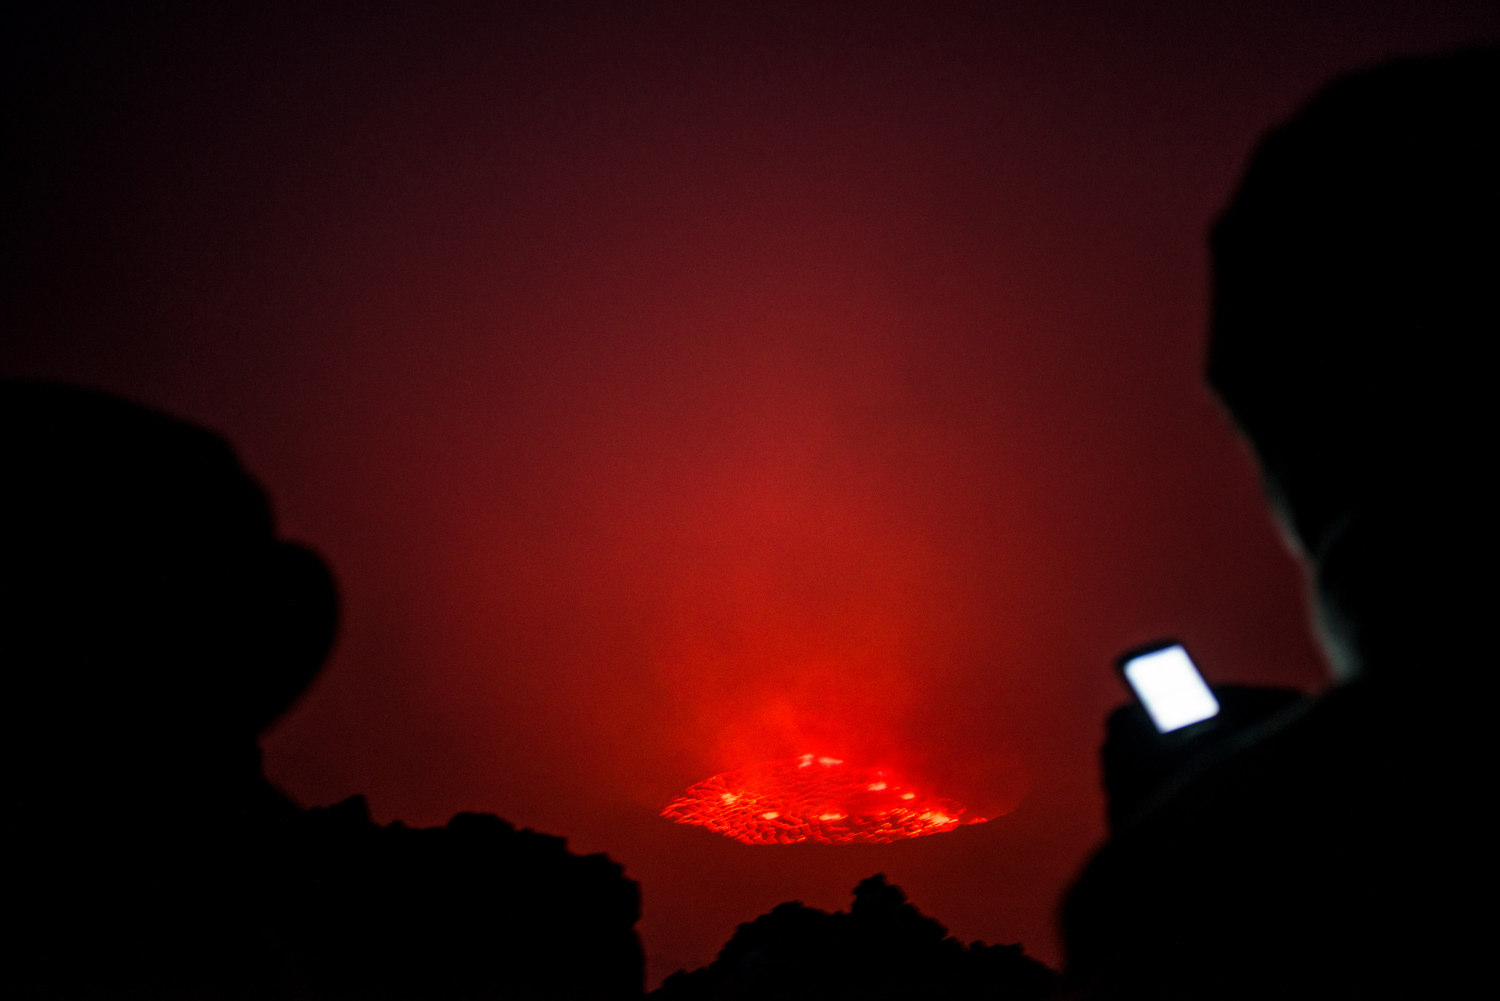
(149,608)
(1355,298)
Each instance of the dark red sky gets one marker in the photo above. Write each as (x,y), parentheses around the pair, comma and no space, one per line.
(673,386)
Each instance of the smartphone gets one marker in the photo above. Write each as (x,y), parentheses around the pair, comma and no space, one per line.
(1167,683)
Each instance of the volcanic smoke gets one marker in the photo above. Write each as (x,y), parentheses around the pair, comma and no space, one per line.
(812,798)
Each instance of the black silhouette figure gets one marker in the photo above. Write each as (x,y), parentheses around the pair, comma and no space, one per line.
(153,625)
(882,949)
(1343,849)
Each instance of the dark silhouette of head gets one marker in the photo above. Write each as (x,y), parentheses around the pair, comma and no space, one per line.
(154,622)
(1334,847)
(1354,296)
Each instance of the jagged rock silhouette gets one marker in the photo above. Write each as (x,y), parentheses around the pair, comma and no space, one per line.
(882,949)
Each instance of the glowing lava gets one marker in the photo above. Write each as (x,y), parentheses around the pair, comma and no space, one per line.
(814,799)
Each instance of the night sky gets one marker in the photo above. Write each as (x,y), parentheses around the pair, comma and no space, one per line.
(678,386)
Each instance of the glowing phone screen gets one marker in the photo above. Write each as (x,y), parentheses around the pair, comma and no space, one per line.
(1170,687)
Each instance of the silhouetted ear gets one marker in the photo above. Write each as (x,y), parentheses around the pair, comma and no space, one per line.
(293,624)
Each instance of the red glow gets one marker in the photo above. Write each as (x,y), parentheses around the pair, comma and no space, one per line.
(812,798)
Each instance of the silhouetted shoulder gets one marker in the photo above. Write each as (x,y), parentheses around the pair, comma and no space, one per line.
(1329,858)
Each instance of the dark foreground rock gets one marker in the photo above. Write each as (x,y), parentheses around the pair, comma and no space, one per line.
(882,949)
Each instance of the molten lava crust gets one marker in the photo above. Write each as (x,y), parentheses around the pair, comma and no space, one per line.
(824,800)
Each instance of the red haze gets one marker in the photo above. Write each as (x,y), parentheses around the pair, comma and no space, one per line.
(671,391)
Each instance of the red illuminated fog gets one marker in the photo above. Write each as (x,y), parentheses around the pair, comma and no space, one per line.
(674,388)
(820,799)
